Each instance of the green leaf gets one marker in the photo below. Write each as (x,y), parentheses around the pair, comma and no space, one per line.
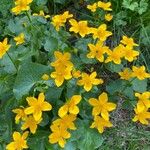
(113,67)
(51,44)
(28,75)
(139,85)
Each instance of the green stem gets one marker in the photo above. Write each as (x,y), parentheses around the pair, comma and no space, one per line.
(27,14)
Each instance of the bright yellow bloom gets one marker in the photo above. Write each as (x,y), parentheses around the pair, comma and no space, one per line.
(92,7)
(76,73)
(59,135)
(42,14)
(60,20)
(143,100)
(30,123)
(62,60)
(101,33)
(20,114)
(126,74)
(45,77)
(115,55)
(130,54)
(70,106)
(80,27)
(97,51)
(19,39)
(129,42)
(89,80)
(21,5)
(139,72)
(104,6)
(142,115)
(108,17)
(60,75)
(4,47)
(66,122)
(100,123)
(19,142)
(36,106)
(102,106)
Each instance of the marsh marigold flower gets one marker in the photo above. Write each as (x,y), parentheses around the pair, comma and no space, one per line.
(30,123)
(129,42)
(97,51)
(19,39)
(143,100)
(76,73)
(101,33)
(140,73)
(115,55)
(92,7)
(70,106)
(80,27)
(104,6)
(108,17)
(130,54)
(19,142)
(4,47)
(36,106)
(100,123)
(141,115)
(66,122)
(59,135)
(21,5)
(126,74)
(42,14)
(88,81)
(20,114)
(60,20)
(102,106)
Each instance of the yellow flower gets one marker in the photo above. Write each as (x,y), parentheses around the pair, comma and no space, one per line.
(30,123)
(45,77)
(140,73)
(70,106)
(102,106)
(108,17)
(76,73)
(92,7)
(128,41)
(115,55)
(60,20)
(21,5)
(130,54)
(80,27)
(60,75)
(62,60)
(97,51)
(104,6)
(4,47)
(66,122)
(59,135)
(142,115)
(19,39)
(36,106)
(101,33)
(19,142)
(126,74)
(20,114)
(42,14)
(89,80)
(143,100)
(100,123)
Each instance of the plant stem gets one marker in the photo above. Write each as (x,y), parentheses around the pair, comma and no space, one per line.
(27,14)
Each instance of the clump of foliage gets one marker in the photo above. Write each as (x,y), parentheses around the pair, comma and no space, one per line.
(67,73)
